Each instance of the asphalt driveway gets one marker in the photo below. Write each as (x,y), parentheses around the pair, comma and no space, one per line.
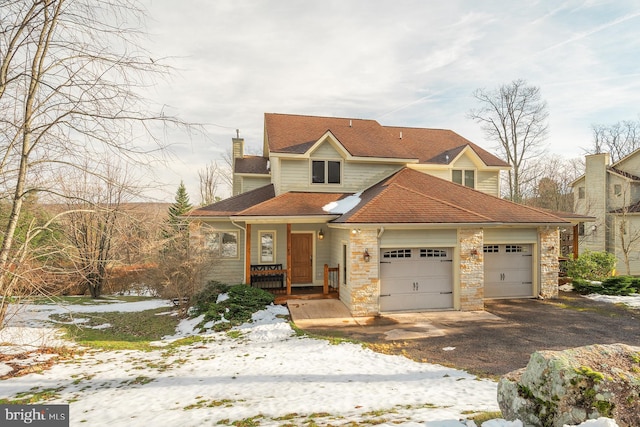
(496,341)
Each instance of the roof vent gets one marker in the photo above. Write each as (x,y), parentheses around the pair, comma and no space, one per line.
(400,134)
(350,123)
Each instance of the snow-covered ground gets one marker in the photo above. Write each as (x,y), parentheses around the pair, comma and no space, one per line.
(261,371)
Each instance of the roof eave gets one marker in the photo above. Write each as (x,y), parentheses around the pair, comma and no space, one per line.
(420,225)
(281,219)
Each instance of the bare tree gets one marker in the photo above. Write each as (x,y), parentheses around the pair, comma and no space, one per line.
(515,117)
(210,178)
(95,206)
(619,139)
(550,182)
(70,76)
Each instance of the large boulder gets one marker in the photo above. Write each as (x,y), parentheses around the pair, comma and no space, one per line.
(575,385)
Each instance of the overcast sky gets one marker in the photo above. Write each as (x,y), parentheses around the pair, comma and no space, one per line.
(400,62)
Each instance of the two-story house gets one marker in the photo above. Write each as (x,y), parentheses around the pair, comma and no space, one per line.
(610,193)
(404,219)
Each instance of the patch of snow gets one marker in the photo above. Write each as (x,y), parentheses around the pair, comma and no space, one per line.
(630,300)
(266,372)
(344,205)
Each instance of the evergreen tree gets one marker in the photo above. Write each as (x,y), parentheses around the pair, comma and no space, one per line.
(180,207)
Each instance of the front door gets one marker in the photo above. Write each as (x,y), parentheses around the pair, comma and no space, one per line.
(302,258)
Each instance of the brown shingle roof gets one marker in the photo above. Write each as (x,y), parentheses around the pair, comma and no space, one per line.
(295,134)
(235,204)
(252,164)
(410,196)
(294,204)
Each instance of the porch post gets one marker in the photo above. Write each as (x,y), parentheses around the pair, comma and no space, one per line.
(288,259)
(325,286)
(247,255)
(575,240)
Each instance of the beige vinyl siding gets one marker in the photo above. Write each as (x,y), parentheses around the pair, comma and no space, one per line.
(325,151)
(438,173)
(510,235)
(419,238)
(488,182)
(251,183)
(338,238)
(224,270)
(280,242)
(633,228)
(356,176)
(464,162)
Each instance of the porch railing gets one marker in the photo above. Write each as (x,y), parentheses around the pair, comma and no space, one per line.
(331,279)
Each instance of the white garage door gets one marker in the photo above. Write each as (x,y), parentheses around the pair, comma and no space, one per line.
(416,279)
(508,271)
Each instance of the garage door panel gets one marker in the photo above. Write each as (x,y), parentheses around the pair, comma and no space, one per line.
(508,271)
(423,301)
(416,279)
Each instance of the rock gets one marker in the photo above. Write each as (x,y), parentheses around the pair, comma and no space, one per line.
(572,386)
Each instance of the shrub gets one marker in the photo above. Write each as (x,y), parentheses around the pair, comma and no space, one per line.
(207,295)
(618,285)
(238,308)
(592,266)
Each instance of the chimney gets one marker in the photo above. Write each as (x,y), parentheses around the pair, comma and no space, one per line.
(238,148)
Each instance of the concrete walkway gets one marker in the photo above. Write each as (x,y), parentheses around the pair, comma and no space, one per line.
(326,314)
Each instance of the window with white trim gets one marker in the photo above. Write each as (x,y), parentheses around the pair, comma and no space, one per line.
(491,249)
(222,243)
(326,172)
(267,247)
(466,177)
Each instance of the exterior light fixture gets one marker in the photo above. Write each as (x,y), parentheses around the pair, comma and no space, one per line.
(321,234)
(474,252)
(366,256)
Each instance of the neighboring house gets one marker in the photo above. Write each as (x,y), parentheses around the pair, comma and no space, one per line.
(404,218)
(610,193)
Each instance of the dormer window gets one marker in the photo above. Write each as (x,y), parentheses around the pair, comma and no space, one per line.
(325,172)
(466,177)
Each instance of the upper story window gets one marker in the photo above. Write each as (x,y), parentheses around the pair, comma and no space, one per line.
(580,192)
(326,172)
(466,177)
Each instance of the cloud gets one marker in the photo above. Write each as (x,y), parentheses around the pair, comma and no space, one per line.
(407,62)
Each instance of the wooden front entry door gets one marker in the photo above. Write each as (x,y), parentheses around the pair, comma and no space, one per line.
(301,258)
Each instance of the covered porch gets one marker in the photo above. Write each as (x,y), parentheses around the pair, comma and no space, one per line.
(299,276)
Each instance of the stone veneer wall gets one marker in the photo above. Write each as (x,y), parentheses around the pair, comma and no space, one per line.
(471,269)
(549,265)
(364,282)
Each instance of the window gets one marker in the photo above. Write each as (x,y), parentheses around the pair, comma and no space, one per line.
(399,253)
(325,172)
(617,189)
(580,192)
(433,253)
(222,243)
(514,248)
(267,247)
(491,249)
(581,229)
(466,177)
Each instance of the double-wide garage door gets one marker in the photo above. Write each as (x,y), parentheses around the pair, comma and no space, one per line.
(416,279)
(508,271)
